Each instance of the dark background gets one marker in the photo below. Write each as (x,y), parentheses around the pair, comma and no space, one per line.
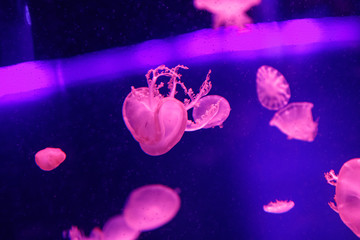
(63,28)
(225,175)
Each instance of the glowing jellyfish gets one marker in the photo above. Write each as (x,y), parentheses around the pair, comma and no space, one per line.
(273,90)
(49,158)
(210,111)
(347,193)
(228,12)
(150,207)
(296,121)
(158,122)
(116,229)
(279,206)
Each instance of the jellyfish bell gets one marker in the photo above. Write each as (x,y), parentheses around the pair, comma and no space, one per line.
(296,121)
(211,111)
(157,130)
(272,89)
(150,207)
(49,158)
(279,206)
(347,194)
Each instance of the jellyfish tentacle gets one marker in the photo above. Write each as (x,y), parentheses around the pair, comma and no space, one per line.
(333,206)
(204,90)
(331,178)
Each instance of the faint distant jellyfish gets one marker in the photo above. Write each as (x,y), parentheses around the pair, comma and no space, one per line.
(150,207)
(158,122)
(347,193)
(228,12)
(279,206)
(49,158)
(273,90)
(296,121)
(117,229)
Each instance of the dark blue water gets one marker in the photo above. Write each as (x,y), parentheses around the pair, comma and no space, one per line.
(225,175)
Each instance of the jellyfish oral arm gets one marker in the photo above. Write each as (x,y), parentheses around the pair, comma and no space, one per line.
(333,207)
(331,178)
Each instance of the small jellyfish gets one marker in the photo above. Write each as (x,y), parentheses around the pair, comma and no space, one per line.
(116,229)
(49,158)
(211,111)
(273,90)
(296,121)
(158,122)
(150,207)
(228,12)
(279,206)
(347,194)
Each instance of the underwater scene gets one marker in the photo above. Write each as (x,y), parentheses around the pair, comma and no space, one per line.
(204,119)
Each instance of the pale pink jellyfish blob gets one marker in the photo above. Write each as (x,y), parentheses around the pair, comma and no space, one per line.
(272,89)
(279,206)
(347,194)
(49,158)
(117,229)
(228,12)
(158,122)
(150,207)
(296,121)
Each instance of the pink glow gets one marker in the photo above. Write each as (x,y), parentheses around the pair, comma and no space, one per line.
(150,207)
(116,229)
(211,111)
(279,206)
(228,12)
(296,121)
(347,194)
(49,158)
(159,122)
(273,90)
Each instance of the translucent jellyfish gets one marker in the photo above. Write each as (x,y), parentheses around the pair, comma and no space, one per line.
(116,229)
(279,206)
(296,121)
(150,207)
(273,90)
(228,12)
(220,108)
(49,158)
(75,234)
(158,122)
(347,194)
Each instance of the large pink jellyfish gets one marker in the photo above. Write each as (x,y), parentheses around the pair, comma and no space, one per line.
(150,207)
(296,121)
(158,122)
(279,206)
(273,90)
(228,12)
(49,158)
(347,193)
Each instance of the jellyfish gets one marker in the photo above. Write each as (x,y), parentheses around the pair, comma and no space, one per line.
(296,121)
(228,12)
(347,194)
(116,229)
(279,206)
(157,122)
(273,90)
(49,158)
(150,207)
(206,119)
